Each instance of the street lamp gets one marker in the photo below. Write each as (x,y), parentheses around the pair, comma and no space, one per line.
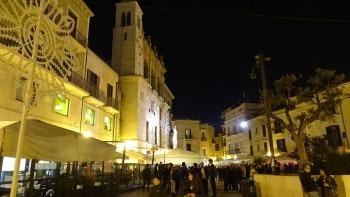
(243,124)
(260,64)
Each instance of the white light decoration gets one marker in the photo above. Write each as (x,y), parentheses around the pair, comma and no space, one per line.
(87,134)
(34,44)
(243,124)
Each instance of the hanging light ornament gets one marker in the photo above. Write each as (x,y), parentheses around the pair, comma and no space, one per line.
(35,45)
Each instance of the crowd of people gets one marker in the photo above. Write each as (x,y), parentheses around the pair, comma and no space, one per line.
(181,180)
(194,180)
(233,174)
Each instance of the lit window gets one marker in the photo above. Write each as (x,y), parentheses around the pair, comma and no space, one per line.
(89,116)
(108,123)
(61,105)
(188,134)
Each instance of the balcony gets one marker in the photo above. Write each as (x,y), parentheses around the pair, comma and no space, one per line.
(235,151)
(204,139)
(79,42)
(94,95)
(188,137)
(97,97)
(112,105)
(76,86)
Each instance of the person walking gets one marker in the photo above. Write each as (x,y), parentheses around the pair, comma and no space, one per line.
(327,184)
(212,175)
(146,176)
(308,183)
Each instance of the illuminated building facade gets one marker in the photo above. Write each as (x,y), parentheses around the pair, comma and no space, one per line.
(146,100)
(194,136)
(90,102)
(251,141)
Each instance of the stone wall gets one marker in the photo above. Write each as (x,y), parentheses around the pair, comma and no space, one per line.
(290,186)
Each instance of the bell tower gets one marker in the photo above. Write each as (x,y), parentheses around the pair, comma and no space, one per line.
(127,49)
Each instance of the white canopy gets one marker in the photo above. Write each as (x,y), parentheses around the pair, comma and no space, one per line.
(48,142)
(177,156)
(136,155)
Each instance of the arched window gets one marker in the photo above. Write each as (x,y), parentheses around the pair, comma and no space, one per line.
(123,22)
(128,19)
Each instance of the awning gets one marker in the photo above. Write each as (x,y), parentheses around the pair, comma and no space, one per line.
(48,142)
(177,156)
(136,155)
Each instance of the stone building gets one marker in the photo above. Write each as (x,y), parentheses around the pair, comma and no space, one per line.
(194,136)
(146,100)
(246,135)
(90,102)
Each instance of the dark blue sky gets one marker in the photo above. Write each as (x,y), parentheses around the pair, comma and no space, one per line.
(209,46)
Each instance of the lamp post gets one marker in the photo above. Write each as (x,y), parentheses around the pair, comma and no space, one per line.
(260,64)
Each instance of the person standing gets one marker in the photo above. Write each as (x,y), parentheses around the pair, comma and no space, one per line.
(173,175)
(308,183)
(183,174)
(212,175)
(204,177)
(146,176)
(156,170)
(157,190)
(327,184)
(193,185)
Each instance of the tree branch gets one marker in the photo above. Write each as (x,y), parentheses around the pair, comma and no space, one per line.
(289,118)
(282,122)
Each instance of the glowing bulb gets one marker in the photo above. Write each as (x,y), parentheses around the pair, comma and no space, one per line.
(244,124)
(87,134)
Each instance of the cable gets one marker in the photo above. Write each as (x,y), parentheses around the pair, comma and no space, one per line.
(238,14)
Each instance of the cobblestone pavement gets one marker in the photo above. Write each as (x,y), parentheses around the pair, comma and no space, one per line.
(220,189)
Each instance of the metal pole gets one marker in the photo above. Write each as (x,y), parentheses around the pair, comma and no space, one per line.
(21,133)
(123,160)
(152,157)
(260,60)
(25,109)
(31,178)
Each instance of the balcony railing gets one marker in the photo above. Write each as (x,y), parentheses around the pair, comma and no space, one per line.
(94,91)
(188,136)
(204,139)
(80,38)
(78,80)
(112,102)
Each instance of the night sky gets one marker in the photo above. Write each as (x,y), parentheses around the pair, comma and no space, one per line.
(209,46)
